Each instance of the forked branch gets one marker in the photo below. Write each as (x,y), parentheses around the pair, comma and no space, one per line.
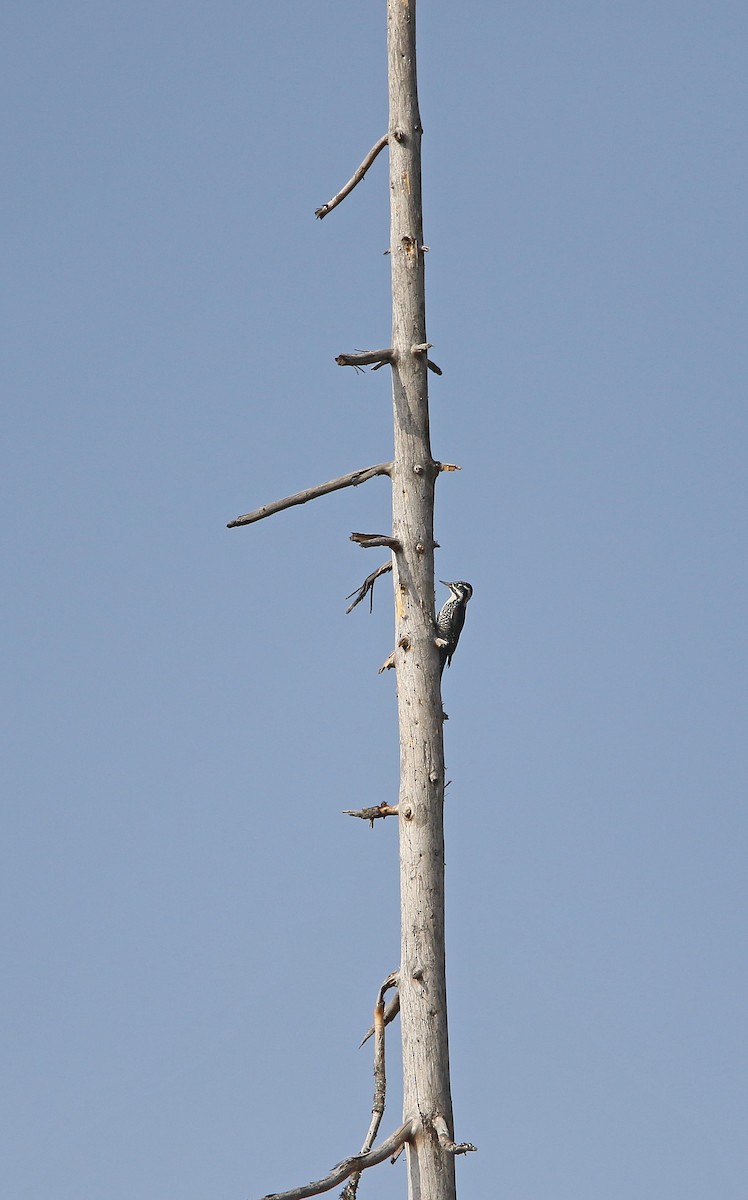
(367,587)
(355,178)
(322,489)
(358,1162)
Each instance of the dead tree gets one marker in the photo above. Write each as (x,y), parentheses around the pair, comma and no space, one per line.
(427,1129)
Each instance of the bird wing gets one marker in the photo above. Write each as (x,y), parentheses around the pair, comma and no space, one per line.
(458,627)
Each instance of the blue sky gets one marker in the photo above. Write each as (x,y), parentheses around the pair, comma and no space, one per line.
(193,934)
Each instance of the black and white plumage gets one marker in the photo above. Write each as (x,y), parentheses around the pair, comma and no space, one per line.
(451,619)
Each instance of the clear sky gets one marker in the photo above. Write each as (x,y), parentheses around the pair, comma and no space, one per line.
(193,934)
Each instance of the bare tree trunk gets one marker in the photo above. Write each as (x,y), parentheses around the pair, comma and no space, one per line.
(423,1001)
(426,1131)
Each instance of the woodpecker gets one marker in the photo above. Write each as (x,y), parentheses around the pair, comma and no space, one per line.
(451,619)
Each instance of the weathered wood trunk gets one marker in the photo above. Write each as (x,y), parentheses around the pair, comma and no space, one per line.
(427,1129)
(423,1004)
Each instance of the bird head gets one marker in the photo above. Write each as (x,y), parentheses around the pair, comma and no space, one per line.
(460,590)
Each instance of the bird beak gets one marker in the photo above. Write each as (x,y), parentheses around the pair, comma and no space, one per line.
(445,583)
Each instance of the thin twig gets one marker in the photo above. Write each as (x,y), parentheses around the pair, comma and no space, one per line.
(355,178)
(368,586)
(322,489)
(363,358)
(390,1012)
(368,541)
(344,1169)
(445,1141)
(372,814)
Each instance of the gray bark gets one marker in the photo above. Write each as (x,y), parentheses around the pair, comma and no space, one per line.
(423,1002)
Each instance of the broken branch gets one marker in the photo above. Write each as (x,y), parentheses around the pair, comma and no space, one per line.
(355,178)
(322,489)
(367,541)
(380,1083)
(368,586)
(445,1141)
(389,663)
(380,1079)
(372,814)
(344,1169)
(363,358)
